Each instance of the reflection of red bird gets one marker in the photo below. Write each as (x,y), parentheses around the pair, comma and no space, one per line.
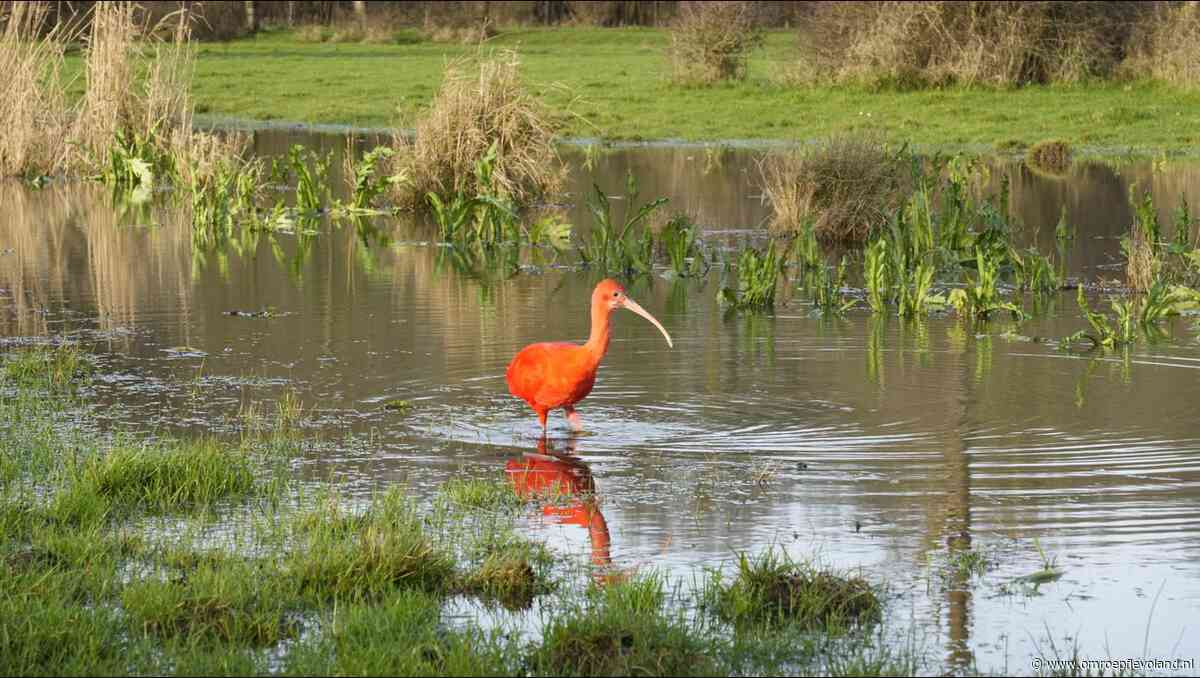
(553,375)
(547,476)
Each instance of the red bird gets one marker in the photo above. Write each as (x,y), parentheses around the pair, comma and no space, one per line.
(558,374)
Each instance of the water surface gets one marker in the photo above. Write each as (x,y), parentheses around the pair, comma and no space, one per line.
(863,442)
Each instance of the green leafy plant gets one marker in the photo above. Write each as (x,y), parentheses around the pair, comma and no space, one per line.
(312,186)
(828,289)
(619,249)
(757,276)
(981,296)
(1106,333)
(875,270)
(367,185)
(915,292)
(682,247)
(1033,271)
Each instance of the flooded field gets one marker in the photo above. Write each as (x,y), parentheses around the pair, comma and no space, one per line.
(866,442)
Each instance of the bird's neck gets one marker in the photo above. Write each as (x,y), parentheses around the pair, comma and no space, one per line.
(597,343)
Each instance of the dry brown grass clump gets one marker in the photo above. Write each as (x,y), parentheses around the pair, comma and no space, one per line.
(34,116)
(1168,47)
(845,185)
(935,42)
(712,41)
(481,102)
(1052,156)
(1142,266)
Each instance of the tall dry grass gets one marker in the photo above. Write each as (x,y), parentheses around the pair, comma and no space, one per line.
(937,42)
(1167,46)
(481,101)
(34,115)
(712,41)
(845,185)
(156,104)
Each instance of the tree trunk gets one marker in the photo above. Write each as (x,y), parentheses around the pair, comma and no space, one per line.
(291,13)
(251,15)
(360,12)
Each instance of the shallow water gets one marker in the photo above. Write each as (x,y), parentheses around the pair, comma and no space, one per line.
(864,442)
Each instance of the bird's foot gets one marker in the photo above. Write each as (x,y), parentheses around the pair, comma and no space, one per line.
(574,421)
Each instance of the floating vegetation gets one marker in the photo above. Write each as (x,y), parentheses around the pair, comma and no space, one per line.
(981,296)
(1105,332)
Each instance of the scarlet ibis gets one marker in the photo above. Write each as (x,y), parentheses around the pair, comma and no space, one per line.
(557,374)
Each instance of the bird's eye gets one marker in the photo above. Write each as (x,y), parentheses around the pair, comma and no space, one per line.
(616,294)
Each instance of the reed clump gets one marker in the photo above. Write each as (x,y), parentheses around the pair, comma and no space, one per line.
(845,186)
(712,41)
(1051,156)
(33,109)
(482,104)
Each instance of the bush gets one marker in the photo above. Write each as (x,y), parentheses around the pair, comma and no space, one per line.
(1052,156)
(918,44)
(711,41)
(1168,45)
(845,186)
(480,104)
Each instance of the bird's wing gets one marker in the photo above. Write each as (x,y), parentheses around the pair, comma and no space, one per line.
(547,374)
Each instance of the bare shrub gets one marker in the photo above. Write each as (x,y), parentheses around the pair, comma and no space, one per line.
(847,186)
(480,102)
(34,116)
(1052,156)
(1167,46)
(712,41)
(935,42)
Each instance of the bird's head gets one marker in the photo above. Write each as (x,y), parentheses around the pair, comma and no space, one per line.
(610,295)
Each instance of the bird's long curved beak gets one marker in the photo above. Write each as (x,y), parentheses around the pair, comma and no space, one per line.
(633,306)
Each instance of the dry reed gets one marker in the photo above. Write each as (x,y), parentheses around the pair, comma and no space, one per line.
(846,186)
(34,115)
(480,102)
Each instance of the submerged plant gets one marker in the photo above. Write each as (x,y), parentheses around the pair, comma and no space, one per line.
(312,183)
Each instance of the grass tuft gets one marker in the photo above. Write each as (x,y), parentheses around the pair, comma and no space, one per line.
(623,631)
(773,590)
(364,556)
(474,493)
(1050,156)
(512,575)
(164,477)
(54,368)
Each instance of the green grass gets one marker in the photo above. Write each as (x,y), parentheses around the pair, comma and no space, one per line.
(209,557)
(57,368)
(615,83)
(773,590)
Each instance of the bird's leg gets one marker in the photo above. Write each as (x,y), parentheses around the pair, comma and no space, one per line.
(573,419)
(542,418)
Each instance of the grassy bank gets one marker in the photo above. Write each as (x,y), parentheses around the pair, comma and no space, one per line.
(616,84)
(122,555)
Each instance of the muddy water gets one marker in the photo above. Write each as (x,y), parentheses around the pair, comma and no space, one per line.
(863,442)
